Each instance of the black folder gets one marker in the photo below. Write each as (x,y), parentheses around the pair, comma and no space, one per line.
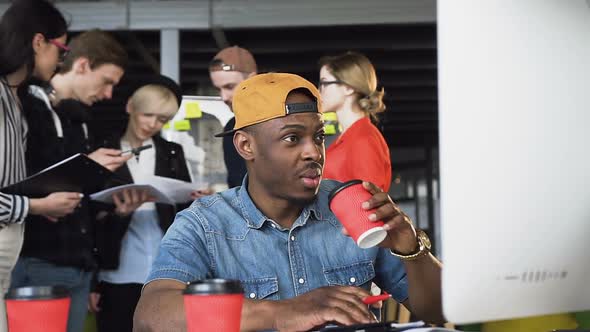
(77,173)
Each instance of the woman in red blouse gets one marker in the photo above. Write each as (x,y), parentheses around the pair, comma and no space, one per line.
(348,86)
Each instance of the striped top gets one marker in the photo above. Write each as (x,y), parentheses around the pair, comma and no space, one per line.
(13,141)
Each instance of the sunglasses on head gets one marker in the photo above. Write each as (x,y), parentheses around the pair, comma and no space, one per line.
(63,49)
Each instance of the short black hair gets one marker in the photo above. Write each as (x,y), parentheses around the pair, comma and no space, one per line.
(19,24)
(305,92)
(252,129)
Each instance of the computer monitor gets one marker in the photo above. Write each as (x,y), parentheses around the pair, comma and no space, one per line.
(514,93)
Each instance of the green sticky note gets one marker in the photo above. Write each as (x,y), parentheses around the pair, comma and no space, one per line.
(182,125)
(193,110)
(330,116)
(330,129)
(167,125)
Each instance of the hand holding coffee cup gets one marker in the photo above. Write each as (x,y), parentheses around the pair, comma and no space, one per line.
(346,202)
(401,234)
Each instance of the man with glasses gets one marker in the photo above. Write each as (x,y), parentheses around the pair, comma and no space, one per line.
(61,251)
(228,68)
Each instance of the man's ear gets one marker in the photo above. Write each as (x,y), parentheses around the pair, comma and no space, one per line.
(81,65)
(37,42)
(245,144)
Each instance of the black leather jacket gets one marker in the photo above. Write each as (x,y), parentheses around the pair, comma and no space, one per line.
(110,228)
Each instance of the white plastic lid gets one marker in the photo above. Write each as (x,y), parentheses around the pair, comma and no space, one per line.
(371,237)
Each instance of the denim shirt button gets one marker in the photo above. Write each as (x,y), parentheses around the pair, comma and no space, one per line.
(301,280)
(352,280)
(292,238)
(252,295)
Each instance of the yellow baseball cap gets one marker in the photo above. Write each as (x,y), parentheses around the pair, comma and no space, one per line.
(262,97)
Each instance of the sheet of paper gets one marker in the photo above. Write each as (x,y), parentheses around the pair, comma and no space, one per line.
(106,196)
(165,190)
(410,324)
(178,191)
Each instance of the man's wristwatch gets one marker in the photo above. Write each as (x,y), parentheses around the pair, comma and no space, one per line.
(424,246)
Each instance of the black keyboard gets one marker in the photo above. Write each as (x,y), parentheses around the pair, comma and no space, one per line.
(372,327)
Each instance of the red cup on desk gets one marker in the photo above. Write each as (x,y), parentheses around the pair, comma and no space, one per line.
(40,308)
(346,203)
(213,305)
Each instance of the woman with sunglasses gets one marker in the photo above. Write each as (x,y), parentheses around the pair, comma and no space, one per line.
(348,86)
(62,48)
(29,33)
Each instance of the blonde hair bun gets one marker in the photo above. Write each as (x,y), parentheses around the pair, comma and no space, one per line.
(373,103)
(356,70)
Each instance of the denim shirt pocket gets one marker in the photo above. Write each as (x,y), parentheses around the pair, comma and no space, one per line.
(261,288)
(356,274)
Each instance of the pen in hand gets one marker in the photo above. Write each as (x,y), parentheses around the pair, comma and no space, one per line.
(137,150)
(376,298)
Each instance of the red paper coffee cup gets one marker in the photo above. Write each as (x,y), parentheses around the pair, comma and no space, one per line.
(346,203)
(213,305)
(41,308)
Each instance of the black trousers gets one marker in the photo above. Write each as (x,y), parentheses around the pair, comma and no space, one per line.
(117,304)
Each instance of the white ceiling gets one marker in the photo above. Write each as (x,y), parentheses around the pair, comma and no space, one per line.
(206,14)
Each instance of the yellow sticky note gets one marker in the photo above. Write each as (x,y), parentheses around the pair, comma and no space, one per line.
(330,116)
(182,125)
(330,129)
(167,125)
(192,110)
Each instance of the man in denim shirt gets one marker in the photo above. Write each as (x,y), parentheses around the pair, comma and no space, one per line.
(276,234)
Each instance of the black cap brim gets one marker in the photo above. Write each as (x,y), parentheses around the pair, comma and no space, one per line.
(292,108)
(226,133)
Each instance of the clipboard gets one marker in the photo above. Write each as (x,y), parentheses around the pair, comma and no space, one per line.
(77,173)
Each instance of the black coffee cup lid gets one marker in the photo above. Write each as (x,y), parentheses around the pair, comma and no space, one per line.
(37,293)
(214,286)
(341,187)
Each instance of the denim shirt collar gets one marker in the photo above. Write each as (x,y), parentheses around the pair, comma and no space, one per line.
(256,219)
